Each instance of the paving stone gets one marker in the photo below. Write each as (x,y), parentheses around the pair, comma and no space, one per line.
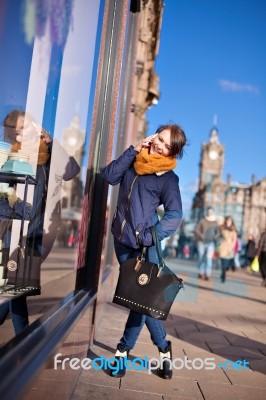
(215,375)
(245,342)
(101,377)
(175,387)
(44,389)
(259,365)
(219,391)
(247,353)
(99,392)
(259,337)
(204,337)
(196,348)
(246,378)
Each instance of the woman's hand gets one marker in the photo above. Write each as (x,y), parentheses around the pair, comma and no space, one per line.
(42,133)
(45,136)
(144,143)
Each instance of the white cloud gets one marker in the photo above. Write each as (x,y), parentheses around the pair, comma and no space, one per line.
(232,86)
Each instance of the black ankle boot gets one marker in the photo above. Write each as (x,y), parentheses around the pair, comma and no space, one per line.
(119,368)
(165,370)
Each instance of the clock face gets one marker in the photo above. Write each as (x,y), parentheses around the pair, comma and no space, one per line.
(213,155)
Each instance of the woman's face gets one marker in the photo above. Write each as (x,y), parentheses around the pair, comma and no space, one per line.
(228,222)
(161,143)
(23,124)
(25,129)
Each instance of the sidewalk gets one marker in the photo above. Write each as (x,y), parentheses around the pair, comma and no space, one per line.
(209,320)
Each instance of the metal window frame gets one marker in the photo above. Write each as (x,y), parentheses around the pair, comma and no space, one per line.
(23,356)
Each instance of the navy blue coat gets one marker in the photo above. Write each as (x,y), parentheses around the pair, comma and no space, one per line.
(138,199)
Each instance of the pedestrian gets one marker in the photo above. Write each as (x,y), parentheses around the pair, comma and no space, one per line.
(261,253)
(205,234)
(20,127)
(171,246)
(250,249)
(237,252)
(146,177)
(186,251)
(228,239)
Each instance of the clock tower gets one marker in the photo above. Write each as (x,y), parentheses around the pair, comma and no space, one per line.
(210,175)
(211,160)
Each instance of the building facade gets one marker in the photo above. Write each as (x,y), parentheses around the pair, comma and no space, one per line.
(246,203)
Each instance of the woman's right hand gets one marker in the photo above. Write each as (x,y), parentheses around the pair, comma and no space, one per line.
(144,143)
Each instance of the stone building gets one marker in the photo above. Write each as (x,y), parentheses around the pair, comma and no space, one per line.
(245,202)
(144,81)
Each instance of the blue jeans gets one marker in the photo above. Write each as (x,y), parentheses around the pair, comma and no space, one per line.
(225,264)
(206,251)
(19,313)
(135,320)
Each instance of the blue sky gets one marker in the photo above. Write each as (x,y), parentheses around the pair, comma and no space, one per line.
(212,60)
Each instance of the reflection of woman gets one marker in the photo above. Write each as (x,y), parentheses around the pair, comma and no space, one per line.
(146,177)
(227,245)
(261,253)
(19,127)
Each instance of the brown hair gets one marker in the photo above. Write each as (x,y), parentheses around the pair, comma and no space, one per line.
(178,139)
(224,226)
(10,122)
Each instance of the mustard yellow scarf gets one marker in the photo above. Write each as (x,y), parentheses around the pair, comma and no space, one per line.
(151,163)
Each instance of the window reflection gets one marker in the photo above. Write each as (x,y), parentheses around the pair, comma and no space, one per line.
(51,89)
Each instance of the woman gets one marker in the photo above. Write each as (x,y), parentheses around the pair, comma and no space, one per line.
(146,177)
(227,245)
(205,236)
(19,127)
(250,249)
(261,253)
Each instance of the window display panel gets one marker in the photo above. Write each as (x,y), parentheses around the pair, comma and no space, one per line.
(50,52)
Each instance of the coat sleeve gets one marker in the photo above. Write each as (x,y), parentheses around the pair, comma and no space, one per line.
(198,232)
(261,245)
(68,165)
(172,219)
(72,169)
(114,171)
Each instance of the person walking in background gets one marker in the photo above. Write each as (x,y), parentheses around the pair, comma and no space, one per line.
(261,253)
(250,249)
(237,252)
(206,233)
(186,251)
(228,239)
(146,177)
(171,246)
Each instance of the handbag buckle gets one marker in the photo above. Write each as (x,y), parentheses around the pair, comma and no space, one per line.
(138,263)
(140,259)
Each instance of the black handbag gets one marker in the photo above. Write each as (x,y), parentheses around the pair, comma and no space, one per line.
(145,287)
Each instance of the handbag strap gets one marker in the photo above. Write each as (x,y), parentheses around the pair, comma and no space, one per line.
(142,255)
(158,247)
(160,254)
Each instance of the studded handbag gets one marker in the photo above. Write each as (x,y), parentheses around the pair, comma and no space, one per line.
(146,287)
